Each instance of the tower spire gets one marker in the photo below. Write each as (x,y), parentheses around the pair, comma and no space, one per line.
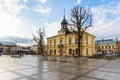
(64,12)
(64,22)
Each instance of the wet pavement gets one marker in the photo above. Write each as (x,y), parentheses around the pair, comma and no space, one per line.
(38,68)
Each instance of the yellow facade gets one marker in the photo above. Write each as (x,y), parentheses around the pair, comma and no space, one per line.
(88,44)
(65,43)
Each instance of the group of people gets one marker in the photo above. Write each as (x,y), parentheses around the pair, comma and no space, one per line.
(22,53)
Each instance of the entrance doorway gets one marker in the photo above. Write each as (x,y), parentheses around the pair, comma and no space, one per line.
(61,52)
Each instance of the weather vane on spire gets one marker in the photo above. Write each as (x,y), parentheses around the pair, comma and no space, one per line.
(64,12)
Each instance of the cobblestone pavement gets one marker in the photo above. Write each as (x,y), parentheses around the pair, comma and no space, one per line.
(37,68)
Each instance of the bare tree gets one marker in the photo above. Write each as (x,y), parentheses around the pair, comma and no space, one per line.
(81,20)
(39,39)
(8,50)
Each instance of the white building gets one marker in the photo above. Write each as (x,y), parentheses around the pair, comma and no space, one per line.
(35,48)
(6,47)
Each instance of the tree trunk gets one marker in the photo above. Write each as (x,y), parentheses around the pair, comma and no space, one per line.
(79,43)
(81,19)
(80,46)
(39,50)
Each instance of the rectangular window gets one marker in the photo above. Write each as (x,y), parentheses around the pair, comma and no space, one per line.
(87,51)
(92,41)
(92,51)
(60,41)
(86,39)
(76,41)
(50,43)
(70,41)
(50,51)
(76,50)
(99,47)
(54,43)
(113,47)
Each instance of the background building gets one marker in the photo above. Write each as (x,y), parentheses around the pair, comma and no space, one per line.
(118,47)
(7,47)
(65,43)
(106,46)
(35,48)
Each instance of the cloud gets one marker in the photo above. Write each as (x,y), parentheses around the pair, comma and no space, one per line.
(26,1)
(12,6)
(42,1)
(17,28)
(11,25)
(15,39)
(79,1)
(106,20)
(51,29)
(43,10)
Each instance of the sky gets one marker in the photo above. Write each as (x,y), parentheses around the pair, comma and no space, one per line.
(20,19)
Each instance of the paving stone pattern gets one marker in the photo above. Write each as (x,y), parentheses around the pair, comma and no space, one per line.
(37,68)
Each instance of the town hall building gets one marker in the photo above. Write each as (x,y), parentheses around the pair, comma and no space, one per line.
(65,43)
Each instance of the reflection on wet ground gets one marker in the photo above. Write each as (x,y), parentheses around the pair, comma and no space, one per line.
(37,68)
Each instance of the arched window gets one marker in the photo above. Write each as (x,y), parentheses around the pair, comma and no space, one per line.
(54,51)
(50,51)
(70,51)
(109,47)
(102,47)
